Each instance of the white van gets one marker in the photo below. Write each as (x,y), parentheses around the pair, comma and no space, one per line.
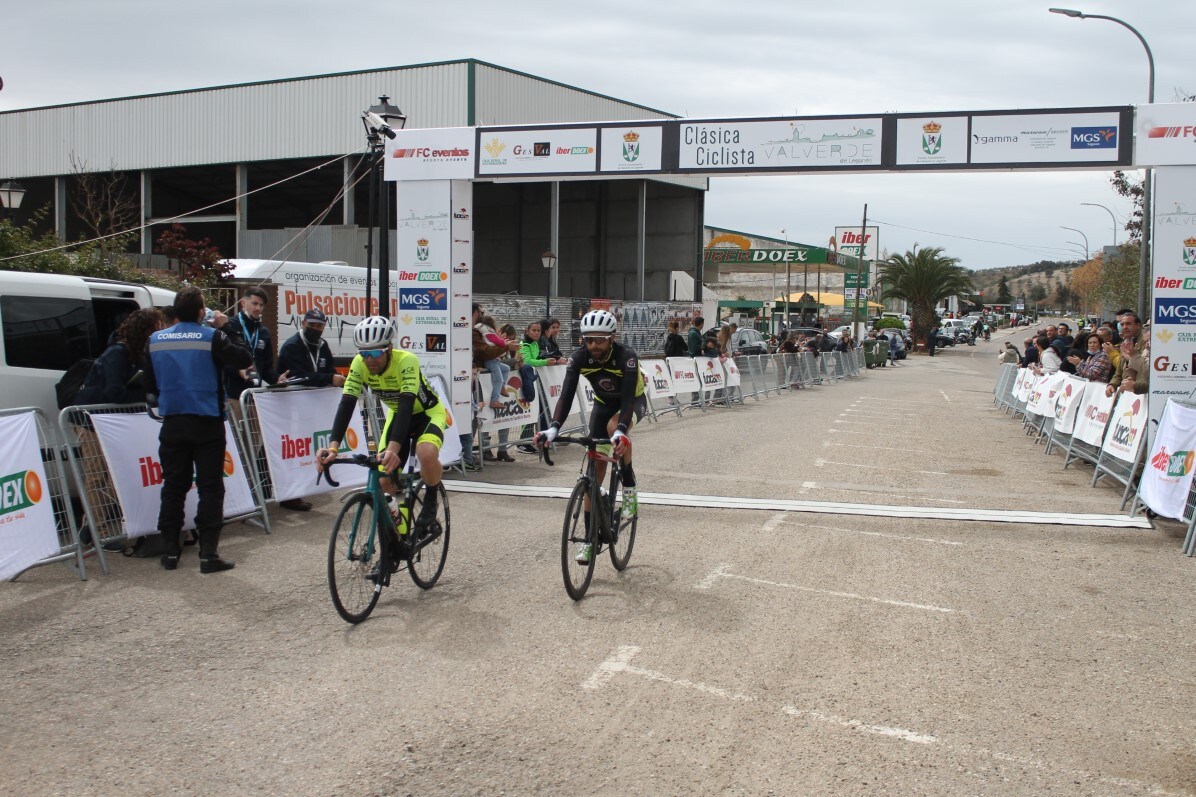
(50,321)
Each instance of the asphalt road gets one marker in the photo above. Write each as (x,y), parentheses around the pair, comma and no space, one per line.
(744,651)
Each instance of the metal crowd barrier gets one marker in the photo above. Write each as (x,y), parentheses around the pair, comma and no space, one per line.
(71,549)
(1122,472)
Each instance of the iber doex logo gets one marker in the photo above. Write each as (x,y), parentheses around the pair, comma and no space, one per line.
(19,491)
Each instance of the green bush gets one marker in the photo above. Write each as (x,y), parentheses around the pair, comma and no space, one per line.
(889,323)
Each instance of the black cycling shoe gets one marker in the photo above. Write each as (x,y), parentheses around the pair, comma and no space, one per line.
(379,573)
(215,564)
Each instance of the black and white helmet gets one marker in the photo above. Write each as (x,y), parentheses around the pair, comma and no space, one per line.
(599,322)
(374,332)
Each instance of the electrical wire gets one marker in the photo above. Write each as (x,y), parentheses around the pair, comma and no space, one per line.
(1037,249)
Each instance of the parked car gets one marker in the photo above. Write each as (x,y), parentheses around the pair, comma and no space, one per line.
(748,341)
(905,338)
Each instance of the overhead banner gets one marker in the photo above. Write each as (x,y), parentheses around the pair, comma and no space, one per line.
(28,533)
(631,148)
(1173,293)
(1167,477)
(742,145)
(1126,427)
(932,140)
(1165,134)
(445,153)
(130,446)
(1056,138)
(295,425)
(540,150)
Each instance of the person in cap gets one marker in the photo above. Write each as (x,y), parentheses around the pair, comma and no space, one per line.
(306,359)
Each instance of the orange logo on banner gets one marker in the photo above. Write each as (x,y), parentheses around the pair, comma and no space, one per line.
(33,486)
(351,438)
(228,464)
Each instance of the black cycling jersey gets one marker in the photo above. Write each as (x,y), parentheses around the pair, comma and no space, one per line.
(616,381)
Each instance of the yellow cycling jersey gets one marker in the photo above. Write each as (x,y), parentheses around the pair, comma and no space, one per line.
(402,375)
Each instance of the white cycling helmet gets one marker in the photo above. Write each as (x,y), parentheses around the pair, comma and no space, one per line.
(598,322)
(374,332)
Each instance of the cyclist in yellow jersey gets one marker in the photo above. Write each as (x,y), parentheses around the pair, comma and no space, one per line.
(417,414)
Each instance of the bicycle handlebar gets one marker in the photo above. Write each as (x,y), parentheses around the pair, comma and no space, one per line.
(589,442)
(364,460)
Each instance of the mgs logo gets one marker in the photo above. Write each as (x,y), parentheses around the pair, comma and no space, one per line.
(631,146)
(431,299)
(1190,251)
(421,250)
(932,139)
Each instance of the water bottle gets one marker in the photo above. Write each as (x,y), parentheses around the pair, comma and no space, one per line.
(398,513)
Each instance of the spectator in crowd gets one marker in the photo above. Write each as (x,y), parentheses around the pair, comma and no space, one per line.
(724,341)
(1048,358)
(116,377)
(1051,332)
(1112,351)
(1064,336)
(674,344)
(1113,332)
(1030,355)
(1009,354)
(695,340)
(1135,356)
(1095,365)
(710,345)
(532,357)
(496,347)
(306,358)
(248,321)
(932,339)
(549,349)
(184,371)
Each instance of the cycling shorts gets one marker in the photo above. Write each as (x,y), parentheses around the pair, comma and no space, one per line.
(426,427)
(602,413)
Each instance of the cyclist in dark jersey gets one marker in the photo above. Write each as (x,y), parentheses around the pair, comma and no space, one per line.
(613,371)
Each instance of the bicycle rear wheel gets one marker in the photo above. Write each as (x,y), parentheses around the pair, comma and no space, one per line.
(430,550)
(623,529)
(574,534)
(353,551)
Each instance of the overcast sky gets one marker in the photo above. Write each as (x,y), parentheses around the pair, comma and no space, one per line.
(696,59)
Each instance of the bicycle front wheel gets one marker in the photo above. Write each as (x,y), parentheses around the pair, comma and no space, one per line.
(430,549)
(623,529)
(574,536)
(353,551)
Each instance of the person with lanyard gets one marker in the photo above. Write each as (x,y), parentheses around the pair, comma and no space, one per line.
(306,359)
(417,419)
(257,337)
(613,371)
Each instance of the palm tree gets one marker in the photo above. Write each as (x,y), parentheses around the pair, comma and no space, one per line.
(923,278)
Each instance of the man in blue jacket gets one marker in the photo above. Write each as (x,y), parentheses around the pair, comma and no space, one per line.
(184,370)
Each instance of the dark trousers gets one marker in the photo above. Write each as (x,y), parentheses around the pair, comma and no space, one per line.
(192,444)
(930,346)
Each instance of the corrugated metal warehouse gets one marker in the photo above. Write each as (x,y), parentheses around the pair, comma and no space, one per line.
(205,149)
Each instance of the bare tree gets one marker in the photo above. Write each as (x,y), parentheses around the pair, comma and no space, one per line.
(109,209)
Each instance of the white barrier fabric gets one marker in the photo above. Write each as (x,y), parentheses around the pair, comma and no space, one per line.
(552,377)
(1129,422)
(1167,478)
(130,446)
(297,424)
(1034,390)
(1019,382)
(658,381)
(1093,415)
(732,372)
(1067,405)
(685,375)
(710,373)
(27,530)
(1046,392)
(1028,382)
(514,411)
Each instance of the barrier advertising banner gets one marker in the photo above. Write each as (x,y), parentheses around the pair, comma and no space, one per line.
(1093,416)
(27,530)
(1026,385)
(710,373)
(295,425)
(514,411)
(130,446)
(1126,427)
(1043,396)
(685,375)
(1167,477)
(552,377)
(658,382)
(1173,294)
(1032,388)
(1067,404)
(732,372)
(1019,380)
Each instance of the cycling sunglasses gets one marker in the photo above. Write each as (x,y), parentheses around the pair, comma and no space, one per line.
(595,339)
(372,354)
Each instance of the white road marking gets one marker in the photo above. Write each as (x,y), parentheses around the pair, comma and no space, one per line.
(822,462)
(714,575)
(615,664)
(856,725)
(773,522)
(1119,521)
(946,398)
(856,423)
(878,534)
(724,572)
(848,431)
(881,448)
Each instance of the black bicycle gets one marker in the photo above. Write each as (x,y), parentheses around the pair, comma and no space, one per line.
(608,528)
(363,552)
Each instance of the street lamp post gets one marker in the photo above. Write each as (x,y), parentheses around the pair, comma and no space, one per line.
(380,120)
(1111,216)
(1082,235)
(548,260)
(1144,261)
(11,195)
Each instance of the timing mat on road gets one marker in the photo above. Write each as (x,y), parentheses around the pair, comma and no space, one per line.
(823,507)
